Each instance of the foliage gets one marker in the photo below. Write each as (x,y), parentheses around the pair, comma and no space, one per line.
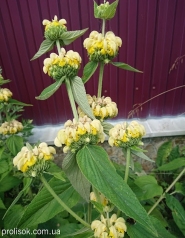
(90,196)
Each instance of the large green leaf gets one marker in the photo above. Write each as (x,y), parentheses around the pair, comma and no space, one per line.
(163,153)
(140,154)
(89,70)
(8,182)
(28,182)
(174,164)
(148,184)
(74,174)
(80,96)
(50,90)
(13,217)
(44,207)
(45,46)
(106,13)
(138,231)
(4,166)
(16,102)
(98,169)
(69,36)
(14,144)
(125,67)
(178,212)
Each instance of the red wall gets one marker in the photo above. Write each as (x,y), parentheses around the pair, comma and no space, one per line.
(153,35)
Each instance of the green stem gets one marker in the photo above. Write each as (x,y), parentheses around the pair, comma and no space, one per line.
(58,46)
(71,99)
(100,82)
(89,211)
(127,164)
(166,191)
(62,203)
(103,27)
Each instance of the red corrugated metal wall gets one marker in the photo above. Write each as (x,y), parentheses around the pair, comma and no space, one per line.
(153,35)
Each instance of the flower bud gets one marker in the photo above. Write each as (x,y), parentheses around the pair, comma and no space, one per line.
(5,94)
(12,127)
(54,29)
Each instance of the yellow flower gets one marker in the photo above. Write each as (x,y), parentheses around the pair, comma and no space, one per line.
(65,64)
(125,135)
(5,94)
(54,29)
(34,161)
(102,48)
(102,108)
(11,127)
(109,227)
(75,134)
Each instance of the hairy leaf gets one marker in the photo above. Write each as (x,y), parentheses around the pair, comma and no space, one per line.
(148,185)
(69,36)
(163,153)
(174,164)
(178,212)
(14,144)
(97,168)
(89,70)
(50,90)
(45,46)
(75,176)
(44,207)
(106,127)
(79,93)
(125,67)
(16,102)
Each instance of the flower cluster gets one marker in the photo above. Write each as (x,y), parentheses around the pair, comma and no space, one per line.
(102,48)
(102,108)
(109,227)
(54,29)
(11,127)
(33,161)
(5,94)
(107,206)
(125,135)
(78,133)
(65,64)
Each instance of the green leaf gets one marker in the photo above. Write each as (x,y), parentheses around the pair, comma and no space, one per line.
(106,13)
(162,232)
(106,127)
(1,151)
(8,182)
(98,169)
(2,206)
(69,36)
(45,46)
(27,184)
(44,207)
(125,67)
(89,70)
(56,171)
(138,231)
(163,153)
(4,166)
(141,155)
(149,186)
(178,212)
(13,217)
(75,176)
(14,144)
(175,153)
(80,96)
(16,102)
(174,164)
(180,188)
(50,90)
